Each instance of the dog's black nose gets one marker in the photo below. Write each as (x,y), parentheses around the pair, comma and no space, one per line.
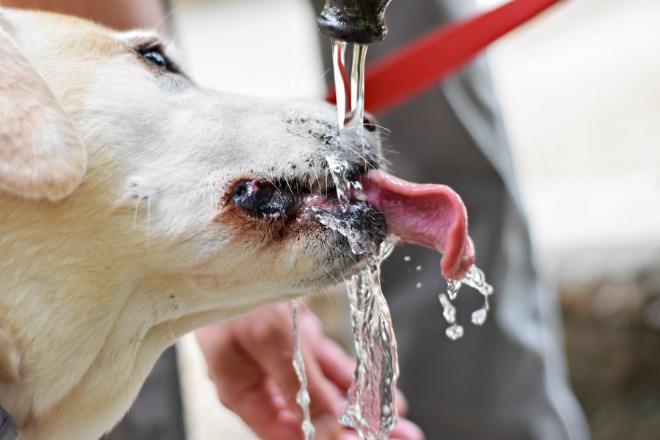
(263,198)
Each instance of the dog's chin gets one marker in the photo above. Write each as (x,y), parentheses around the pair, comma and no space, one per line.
(346,256)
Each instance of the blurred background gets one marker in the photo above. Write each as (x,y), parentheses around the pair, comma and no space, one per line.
(579,87)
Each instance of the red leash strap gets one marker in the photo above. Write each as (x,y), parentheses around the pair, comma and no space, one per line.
(430,58)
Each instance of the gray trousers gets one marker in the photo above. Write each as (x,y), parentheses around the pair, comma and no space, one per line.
(505,380)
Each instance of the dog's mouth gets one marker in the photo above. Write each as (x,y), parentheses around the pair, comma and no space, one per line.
(377,204)
(291,201)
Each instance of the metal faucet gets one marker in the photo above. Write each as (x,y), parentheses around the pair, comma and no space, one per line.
(354,21)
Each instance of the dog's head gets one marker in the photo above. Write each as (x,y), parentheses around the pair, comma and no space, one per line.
(201,182)
(136,206)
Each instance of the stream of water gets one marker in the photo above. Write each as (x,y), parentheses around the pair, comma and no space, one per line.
(302,398)
(370,408)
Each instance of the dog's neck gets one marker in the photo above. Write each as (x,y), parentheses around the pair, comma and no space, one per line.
(54,378)
(83,377)
(51,370)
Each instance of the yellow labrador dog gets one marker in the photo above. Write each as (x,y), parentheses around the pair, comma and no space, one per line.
(135,207)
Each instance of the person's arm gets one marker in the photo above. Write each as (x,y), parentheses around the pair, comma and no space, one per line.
(117,14)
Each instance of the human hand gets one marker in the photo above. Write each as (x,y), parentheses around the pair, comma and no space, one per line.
(250,362)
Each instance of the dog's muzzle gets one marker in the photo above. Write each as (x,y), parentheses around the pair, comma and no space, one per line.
(288,201)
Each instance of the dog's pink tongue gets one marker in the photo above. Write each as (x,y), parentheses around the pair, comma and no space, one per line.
(430,215)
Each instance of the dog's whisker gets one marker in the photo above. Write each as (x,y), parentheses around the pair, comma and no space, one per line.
(320,82)
(337,249)
(135,216)
(286,181)
(148,222)
(349,146)
(169,327)
(316,176)
(381,128)
(167,19)
(326,185)
(331,276)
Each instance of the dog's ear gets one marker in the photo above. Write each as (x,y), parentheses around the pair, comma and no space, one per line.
(41,154)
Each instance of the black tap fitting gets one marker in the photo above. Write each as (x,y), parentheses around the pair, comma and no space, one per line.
(354,21)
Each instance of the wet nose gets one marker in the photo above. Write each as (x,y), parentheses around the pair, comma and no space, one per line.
(263,198)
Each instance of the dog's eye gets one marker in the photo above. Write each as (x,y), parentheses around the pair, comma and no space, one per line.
(156,57)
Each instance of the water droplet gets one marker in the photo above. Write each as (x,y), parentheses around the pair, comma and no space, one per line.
(419,285)
(418,268)
(308,429)
(479,316)
(453,287)
(444,300)
(406,258)
(454,332)
(476,279)
(302,397)
(449,311)
(370,407)
(450,314)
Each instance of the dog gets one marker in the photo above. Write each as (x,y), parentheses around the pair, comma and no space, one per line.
(136,206)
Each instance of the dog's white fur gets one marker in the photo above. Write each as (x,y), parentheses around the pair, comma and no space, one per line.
(116,230)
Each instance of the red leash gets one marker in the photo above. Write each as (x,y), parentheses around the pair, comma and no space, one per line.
(425,61)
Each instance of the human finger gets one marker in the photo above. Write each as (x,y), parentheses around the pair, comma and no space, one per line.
(275,356)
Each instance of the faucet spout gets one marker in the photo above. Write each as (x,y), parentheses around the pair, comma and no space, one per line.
(354,21)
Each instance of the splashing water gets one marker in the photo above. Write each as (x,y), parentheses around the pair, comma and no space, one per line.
(474,278)
(371,409)
(338,168)
(302,397)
